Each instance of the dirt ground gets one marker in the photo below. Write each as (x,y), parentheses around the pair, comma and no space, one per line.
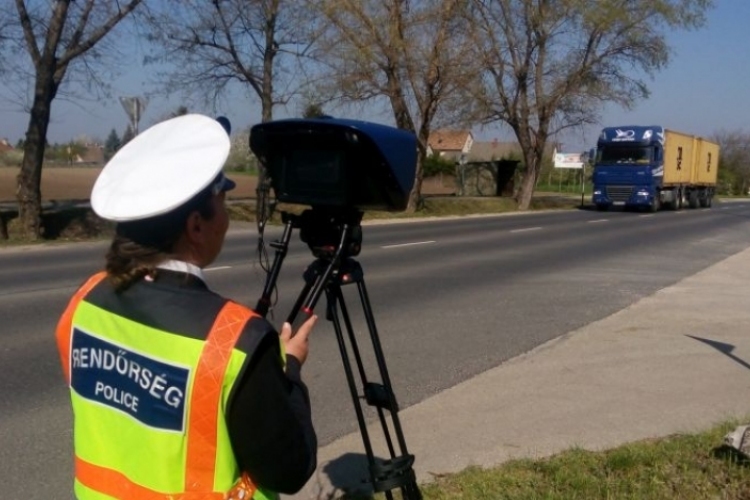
(75,183)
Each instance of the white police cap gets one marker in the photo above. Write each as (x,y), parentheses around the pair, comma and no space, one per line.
(162,168)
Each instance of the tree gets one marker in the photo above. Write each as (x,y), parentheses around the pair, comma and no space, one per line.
(4,33)
(6,27)
(549,65)
(734,159)
(112,144)
(313,110)
(55,35)
(253,43)
(410,53)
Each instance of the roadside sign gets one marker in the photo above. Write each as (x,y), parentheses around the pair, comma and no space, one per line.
(569,160)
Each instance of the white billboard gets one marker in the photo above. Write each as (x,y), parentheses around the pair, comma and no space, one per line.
(569,160)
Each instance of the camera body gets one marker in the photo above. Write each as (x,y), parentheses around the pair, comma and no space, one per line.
(337,163)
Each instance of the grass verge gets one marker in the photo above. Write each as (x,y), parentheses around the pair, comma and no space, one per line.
(434,206)
(75,222)
(686,467)
(65,223)
(444,206)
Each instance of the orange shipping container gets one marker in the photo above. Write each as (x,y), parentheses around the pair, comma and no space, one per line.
(678,158)
(706,162)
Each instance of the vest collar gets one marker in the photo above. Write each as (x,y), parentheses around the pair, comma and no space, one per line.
(182,267)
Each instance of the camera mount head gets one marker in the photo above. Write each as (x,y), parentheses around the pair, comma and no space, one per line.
(325,229)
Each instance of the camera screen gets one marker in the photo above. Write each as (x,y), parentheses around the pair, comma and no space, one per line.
(315,166)
(314,173)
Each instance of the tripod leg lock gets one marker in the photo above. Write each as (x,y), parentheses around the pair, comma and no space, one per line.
(377,395)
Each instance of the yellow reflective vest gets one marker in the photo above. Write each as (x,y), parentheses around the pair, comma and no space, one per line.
(149,405)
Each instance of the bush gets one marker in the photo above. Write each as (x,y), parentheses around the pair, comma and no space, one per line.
(436,165)
(241,159)
(11,158)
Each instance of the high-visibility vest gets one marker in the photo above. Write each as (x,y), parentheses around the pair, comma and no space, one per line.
(149,405)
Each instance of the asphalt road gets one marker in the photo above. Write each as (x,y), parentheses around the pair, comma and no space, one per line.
(451,298)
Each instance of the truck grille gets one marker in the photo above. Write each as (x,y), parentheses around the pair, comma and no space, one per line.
(619,193)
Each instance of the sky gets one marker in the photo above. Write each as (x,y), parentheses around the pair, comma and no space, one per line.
(704,89)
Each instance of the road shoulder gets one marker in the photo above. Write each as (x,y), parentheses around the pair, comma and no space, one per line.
(676,361)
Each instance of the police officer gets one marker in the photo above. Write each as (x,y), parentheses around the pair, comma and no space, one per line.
(177,392)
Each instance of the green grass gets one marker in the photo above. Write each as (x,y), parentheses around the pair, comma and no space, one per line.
(686,467)
(435,206)
(461,206)
(450,206)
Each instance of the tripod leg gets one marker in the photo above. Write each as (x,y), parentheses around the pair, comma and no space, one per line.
(409,487)
(335,297)
(371,390)
(380,357)
(397,472)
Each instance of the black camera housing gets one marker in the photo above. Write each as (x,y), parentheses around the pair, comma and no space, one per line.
(332,162)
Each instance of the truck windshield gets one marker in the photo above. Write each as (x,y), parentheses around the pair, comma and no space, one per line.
(624,154)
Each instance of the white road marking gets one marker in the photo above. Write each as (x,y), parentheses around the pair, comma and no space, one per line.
(646,215)
(409,244)
(217,268)
(526,229)
(598,220)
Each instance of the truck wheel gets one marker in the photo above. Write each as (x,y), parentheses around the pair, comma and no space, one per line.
(705,198)
(655,204)
(693,199)
(675,203)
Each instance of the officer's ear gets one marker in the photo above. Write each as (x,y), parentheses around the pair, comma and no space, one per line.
(195,227)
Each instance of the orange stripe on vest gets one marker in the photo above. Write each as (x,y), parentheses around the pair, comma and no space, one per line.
(204,404)
(65,325)
(117,485)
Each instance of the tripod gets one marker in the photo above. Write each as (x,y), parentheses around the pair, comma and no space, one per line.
(335,236)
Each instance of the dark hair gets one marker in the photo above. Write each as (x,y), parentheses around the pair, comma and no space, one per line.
(139,246)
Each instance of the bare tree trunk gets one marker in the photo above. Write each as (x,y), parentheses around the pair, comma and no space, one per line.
(262,209)
(404,121)
(528,181)
(415,196)
(28,192)
(525,192)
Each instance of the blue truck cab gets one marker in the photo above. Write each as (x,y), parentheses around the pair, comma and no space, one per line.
(629,167)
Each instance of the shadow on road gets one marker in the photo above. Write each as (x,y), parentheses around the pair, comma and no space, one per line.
(725,349)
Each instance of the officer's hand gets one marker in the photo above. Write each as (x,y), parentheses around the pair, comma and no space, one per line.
(296,345)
